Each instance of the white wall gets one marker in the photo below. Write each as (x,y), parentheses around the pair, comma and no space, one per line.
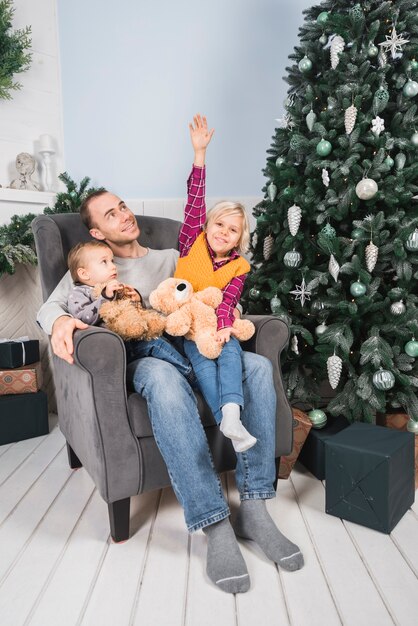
(135,71)
(37,108)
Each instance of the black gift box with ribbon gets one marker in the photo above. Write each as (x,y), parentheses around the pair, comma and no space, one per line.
(18,352)
(23,416)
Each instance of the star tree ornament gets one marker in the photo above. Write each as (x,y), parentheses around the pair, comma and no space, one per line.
(393,43)
(378,125)
(268,246)
(350,117)
(371,253)
(325,177)
(301,292)
(294,216)
(333,267)
(334,369)
(337,46)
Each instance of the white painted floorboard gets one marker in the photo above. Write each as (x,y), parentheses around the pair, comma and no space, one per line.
(59,567)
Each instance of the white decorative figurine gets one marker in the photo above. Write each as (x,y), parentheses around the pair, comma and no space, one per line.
(25,165)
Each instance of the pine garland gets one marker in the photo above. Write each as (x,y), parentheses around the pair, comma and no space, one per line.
(14,57)
(16,239)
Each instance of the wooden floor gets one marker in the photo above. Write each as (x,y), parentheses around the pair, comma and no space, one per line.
(59,567)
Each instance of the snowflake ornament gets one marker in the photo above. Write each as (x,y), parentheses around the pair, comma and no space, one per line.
(393,43)
(301,293)
(378,125)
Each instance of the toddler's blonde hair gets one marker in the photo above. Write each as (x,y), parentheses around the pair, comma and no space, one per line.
(232,208)
(77,256)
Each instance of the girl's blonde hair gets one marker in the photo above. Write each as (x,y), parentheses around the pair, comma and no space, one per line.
(232,208)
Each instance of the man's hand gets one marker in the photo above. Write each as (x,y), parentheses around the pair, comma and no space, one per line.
(62,336)
(224,335)
(200,136)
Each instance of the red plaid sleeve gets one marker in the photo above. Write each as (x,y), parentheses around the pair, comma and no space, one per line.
(231,296)
(195,210)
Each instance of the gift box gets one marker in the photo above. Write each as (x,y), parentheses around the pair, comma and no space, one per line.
(18,352)
(301,427)
(369,475)
(312,455)
(23,416)
(26,379)
(398,421)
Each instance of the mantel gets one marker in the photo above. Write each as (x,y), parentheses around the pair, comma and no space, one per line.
(22,201)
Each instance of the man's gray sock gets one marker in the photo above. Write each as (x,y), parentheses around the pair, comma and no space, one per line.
(225,563)
(254,522)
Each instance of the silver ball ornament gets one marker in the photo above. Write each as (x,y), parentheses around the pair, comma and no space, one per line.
(318,418)
(254,293)
(414,139)
(372,51)
(305,65)
(292,258)
(323,40)
(383,379)
(411,243)
(412,426)
(280,161)
(410,89)
(398,308)
(321,329)
(366,189)
(275,304)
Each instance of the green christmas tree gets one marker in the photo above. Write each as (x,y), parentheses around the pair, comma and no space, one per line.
(14,57)
(335,249)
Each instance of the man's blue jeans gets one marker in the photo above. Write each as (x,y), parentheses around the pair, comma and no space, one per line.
(182,442)
(160,348)
(219,380)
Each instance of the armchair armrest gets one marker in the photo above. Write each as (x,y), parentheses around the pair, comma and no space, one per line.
(270,338)
(93,414)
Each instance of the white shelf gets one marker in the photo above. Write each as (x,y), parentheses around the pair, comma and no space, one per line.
(21,202)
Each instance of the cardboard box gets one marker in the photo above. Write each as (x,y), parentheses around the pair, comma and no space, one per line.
(398,421)
(301,427)
(23,416)
(312,455)
(25,379)
(17,353)
(370,475)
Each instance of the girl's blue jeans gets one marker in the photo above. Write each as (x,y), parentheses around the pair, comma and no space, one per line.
(181,438)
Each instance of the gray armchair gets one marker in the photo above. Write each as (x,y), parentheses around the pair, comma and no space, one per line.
(106,426)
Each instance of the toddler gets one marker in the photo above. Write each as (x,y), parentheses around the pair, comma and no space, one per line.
(92,263)
(210,256)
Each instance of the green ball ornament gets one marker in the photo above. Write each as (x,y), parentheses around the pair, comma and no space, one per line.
(389,161)
(414,65)
(288,192)
(305,65)
(357,233)
(412,426)
(280,161)
(414,139)
(410,89)
(411,348)
(322,18)
(323,148)
(318,418)
(357,289)
(372,51)
(254,293)
(383,380)
(329,231)
(323,40)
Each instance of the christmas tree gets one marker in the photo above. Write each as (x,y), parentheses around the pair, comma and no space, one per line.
(335,249)
(14,46)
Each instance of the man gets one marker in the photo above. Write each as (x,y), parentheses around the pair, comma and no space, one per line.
(171,403)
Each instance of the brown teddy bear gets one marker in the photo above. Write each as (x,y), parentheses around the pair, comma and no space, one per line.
(128,318)
(193,314)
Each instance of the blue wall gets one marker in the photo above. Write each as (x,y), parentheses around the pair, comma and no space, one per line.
(135,71)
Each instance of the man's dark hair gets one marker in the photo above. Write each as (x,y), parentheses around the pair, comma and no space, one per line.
(84,207)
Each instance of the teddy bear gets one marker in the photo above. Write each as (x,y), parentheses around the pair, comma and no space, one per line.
(128,317)
(192,314)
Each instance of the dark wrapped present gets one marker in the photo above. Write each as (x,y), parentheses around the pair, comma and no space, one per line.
(18,352)
(23,416)
(312,455)
(370,475)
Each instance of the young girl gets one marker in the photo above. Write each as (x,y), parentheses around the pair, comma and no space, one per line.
(210,256)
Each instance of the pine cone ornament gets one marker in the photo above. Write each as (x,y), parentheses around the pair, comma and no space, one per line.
(337,46)
(294,216)
(272,191)
(254,239)
(350,117)
(333,267)
(334,368)
(372,253)
(268,247)
(294,344)
(382,58)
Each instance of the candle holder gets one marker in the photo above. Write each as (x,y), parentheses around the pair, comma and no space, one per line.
(46,150)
